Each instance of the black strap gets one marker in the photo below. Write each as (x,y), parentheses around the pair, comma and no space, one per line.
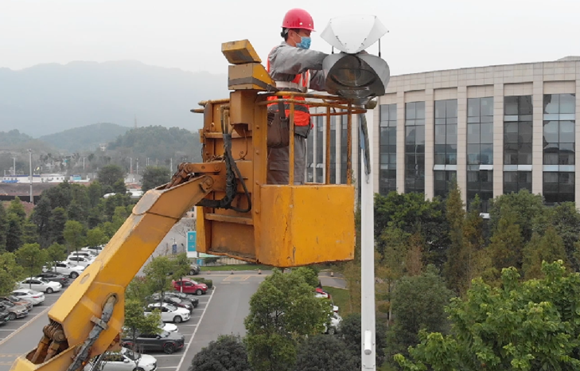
(281,110)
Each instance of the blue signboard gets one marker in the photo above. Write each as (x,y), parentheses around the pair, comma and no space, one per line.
(191,241)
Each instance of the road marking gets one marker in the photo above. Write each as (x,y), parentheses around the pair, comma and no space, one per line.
(188,325)
(172,367)
(24,326)
(7,329)
(194,332)
(236,278)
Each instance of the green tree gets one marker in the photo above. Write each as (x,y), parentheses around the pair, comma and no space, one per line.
(565,219)
(506,244)
(309,274)
(138,290)
(181,266)
(158,275)
(57,224)
(10,273)
(13,233)
(31,258)
(529,325)
(137,322)
(29,232)
(457,270)
(108,175)
(227,353)
(119,187)
(418,304)
(59,196)
(350,334)
(473,239)
(95,193)
(41,216)
(524,207)
(95,237)
(55,253)
(76,212)
(17,209)
(322,352)
(282,312)
(548,248)
(3,227)
(411,213)
(73,234)
(154,176)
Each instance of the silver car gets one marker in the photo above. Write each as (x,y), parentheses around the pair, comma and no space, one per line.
(125,360)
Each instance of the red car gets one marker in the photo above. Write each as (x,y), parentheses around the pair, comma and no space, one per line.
(190,287)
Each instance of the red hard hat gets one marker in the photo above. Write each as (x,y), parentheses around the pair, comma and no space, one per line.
(298,18)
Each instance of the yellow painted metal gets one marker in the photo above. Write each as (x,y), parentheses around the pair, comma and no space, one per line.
(307,224)
(239,52)
(152,218)
(252,76)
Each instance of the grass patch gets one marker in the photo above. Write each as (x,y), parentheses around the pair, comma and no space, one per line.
(236,267)
(340,297)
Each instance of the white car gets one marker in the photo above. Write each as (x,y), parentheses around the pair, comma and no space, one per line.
(125,360)
(93,250)
(85,254)
(169,313)
(73,271)
(169,327)
(79,261)
(335,320)
(38,284)
(35,297)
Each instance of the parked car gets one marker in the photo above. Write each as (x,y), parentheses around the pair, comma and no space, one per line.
(85,254)
(14,311)
(169,313)
(35,297)
(79,260)
(4,316)
(183,295)
(14,300)
(194,269)
(55,277)
(73,271)
(190,286)
(175,301)
(94,250)
(168,342)
(125,360)
(39,284)
(320,293)
(169,327)
(335,320)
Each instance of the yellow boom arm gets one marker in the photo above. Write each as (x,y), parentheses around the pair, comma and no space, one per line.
(76,320)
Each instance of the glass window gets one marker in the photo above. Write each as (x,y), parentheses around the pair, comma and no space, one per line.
(518,133)
(446,131)
(415,147)
(558,187)
(388,149)
(559,132)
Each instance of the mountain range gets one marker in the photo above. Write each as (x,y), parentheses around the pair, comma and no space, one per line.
(51,98)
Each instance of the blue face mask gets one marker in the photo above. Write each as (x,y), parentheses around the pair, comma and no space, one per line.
(304,43)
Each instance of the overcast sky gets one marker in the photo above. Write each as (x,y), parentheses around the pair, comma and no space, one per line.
(424,35)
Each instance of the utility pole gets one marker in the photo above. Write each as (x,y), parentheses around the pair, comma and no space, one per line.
(131,165)
(170,164)
(367,267)
(30,159)
(14,166)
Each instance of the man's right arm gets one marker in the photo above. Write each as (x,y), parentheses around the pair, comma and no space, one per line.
(292,61)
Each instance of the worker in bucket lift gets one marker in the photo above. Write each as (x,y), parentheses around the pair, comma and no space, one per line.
(294,67)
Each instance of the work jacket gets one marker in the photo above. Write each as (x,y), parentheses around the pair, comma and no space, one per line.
(296,69)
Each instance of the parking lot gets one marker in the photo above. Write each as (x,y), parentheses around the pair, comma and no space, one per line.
(19,336)
(9,328)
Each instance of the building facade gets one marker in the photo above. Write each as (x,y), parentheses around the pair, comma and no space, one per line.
(494,129)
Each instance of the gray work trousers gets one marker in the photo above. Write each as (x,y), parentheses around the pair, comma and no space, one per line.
(279,160)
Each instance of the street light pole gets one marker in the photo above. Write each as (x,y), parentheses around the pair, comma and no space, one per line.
(14,166)
(30,159)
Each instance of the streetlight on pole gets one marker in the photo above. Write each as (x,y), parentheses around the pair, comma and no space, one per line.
(30,159)
(14,166)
